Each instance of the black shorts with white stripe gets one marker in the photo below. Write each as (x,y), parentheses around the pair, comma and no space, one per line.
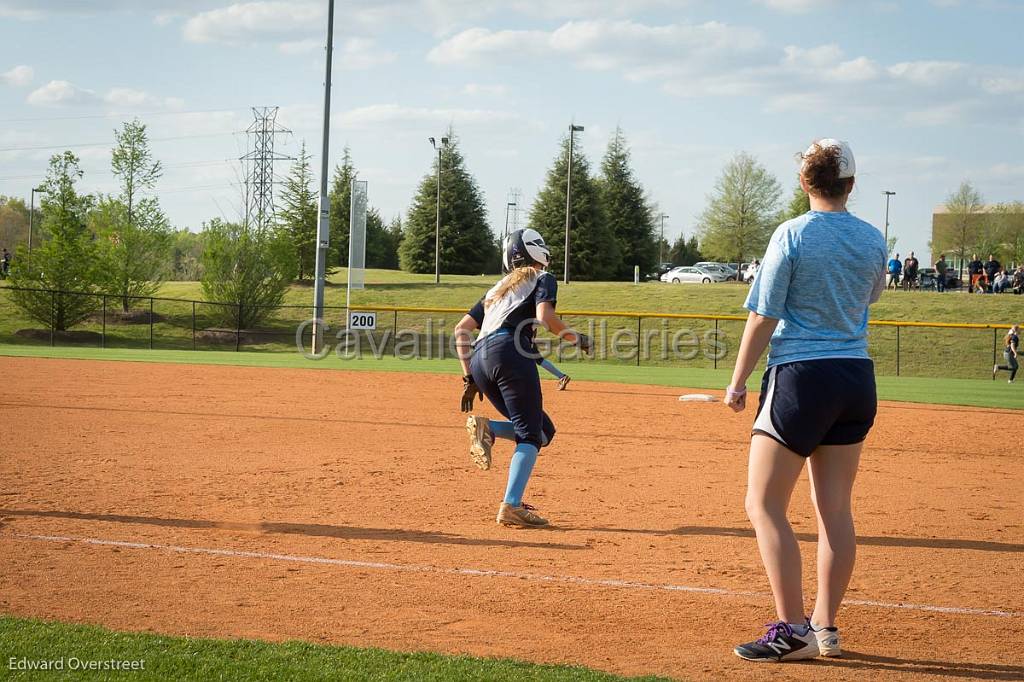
(805,404)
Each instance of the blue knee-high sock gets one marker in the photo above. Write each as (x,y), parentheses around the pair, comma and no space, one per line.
(519,472)
(503,429)
(550,366)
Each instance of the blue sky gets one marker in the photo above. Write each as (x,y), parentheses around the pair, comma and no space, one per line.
(928,92)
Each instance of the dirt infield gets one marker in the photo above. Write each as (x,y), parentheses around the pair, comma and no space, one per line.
(342,507)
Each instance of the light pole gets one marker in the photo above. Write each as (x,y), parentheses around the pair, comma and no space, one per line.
(887,194)
(323,227)
(507,207)
(573,129)
(661,244)
(437,227)
(32,216)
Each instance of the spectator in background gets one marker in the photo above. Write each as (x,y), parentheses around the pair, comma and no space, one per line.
(5,263)
(1018,280)
(752,270)
(975,271)
(1001,282)
(894,269)
(940,273)
(910,268)
(992,267)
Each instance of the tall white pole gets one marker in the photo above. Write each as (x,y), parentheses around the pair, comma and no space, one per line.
(437,225)
(323,230)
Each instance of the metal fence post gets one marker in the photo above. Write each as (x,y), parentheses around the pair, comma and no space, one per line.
(238,329)
(639,338)
(193,325)
(151,323)
(995,341)
(897,350)
(53,314)
(103,334)
(715,356)
(394,336)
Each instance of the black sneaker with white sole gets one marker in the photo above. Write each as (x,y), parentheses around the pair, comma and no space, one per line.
(780,643)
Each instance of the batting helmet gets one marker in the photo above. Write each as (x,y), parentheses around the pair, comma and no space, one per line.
(525,247)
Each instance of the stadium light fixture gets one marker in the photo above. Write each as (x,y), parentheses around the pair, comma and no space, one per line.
(887,194)
(437,226)
(573,129)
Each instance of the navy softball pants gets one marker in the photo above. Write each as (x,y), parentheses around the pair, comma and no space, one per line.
(509,379)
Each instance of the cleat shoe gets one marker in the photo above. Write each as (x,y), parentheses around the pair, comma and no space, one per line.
(828,641)
(563,382)
(522,516)
(779,644)
(480,441)
(995,371)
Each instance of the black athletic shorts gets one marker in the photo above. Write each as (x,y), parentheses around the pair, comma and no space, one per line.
(817,402)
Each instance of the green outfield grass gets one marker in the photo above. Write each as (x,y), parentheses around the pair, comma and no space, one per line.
(971,392)
(182,658)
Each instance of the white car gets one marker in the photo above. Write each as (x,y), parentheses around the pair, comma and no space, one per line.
(691,273)
(726,269)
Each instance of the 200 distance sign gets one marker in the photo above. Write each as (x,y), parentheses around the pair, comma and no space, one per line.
(362,320)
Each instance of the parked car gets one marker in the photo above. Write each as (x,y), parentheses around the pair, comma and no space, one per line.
(692,274)
(724,268)
(661,270)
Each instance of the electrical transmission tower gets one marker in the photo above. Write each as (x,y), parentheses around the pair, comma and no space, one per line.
(259,181)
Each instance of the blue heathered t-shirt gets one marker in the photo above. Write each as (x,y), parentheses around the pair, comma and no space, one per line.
(819,275)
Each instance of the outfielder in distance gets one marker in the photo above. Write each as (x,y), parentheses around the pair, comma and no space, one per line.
(502,364)
(818,398)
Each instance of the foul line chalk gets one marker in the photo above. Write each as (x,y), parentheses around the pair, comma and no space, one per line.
(477,572)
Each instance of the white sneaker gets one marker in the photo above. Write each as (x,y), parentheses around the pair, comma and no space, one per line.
(828,641)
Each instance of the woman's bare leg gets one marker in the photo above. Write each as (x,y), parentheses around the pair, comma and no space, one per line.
(833,469)
(771,477)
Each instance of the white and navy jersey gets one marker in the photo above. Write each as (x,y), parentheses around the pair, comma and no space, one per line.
(515,308)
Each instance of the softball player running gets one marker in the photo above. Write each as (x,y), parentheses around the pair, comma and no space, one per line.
(502,365)
(472,321)
(817,397)
(1011,346)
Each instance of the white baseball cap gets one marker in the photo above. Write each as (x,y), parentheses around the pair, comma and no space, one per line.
(847,166)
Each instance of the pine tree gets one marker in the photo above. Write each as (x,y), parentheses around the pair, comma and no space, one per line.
(686,251)
(67,260)
(381,247)
(467,244)
(629,215)
(341,204)
(593,250)
(297,217)
(741,213)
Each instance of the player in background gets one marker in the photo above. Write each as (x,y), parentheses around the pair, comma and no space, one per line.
(502,364)
(818,398)
(1011,348)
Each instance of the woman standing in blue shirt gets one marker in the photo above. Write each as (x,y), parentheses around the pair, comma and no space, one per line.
(817,399)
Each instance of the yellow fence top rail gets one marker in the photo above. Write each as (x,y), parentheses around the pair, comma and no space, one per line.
(681,316)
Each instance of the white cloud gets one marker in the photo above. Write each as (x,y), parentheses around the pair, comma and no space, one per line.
(18,76)
(254,22)
(927,73)
(60,93)
(410,118)
(481,89)
(362,53)
(129,98)
(796,6)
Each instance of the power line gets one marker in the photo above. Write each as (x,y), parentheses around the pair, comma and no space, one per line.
(119,115)
(108,143)
(187,164)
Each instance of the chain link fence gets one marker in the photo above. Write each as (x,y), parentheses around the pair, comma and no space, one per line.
(62,318)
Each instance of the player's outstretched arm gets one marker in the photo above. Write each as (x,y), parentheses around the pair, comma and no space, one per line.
(553,323)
